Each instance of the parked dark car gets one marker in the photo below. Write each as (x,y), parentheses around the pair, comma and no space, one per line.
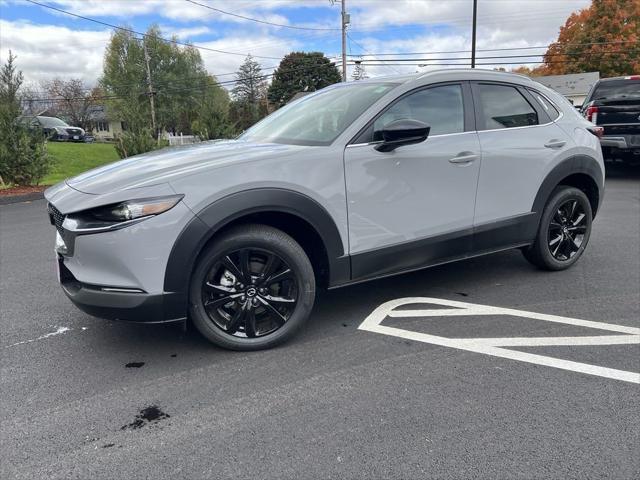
(55,129)
(614,104)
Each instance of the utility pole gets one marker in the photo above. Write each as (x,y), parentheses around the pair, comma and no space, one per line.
(345,19)
(473,34)
(151,93)
(345,22)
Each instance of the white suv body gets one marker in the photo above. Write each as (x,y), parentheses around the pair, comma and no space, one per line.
(351,183)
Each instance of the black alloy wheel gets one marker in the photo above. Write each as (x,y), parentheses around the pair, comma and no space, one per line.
(252,288)
(564,230)
(250,292)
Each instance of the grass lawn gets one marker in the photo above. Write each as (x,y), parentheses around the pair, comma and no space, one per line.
(70,159)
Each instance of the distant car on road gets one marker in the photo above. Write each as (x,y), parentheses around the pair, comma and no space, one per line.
(55,129)
(353,182)
(614,104)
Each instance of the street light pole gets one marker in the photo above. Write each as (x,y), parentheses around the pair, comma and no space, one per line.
(473,34)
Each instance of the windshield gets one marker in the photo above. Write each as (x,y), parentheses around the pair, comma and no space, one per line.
(617,89)
(319,118)
(49,122)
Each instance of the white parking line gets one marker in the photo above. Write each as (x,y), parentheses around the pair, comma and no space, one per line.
(59,331)
(494,346)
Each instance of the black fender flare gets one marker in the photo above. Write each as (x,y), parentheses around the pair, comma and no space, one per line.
(208,221)
(583,164)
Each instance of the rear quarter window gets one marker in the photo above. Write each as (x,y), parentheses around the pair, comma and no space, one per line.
(546,104)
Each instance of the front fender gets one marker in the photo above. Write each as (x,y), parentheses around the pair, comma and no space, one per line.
(212,218)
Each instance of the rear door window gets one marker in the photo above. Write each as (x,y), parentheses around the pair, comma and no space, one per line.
(503,106)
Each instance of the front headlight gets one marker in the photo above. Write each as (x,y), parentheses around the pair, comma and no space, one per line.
(118,215)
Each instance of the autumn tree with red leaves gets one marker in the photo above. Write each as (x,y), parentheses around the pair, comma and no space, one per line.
(591,41)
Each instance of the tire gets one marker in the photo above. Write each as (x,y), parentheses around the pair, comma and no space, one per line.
(251,289)
(557,247)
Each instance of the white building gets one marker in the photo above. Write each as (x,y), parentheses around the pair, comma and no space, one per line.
(574,86)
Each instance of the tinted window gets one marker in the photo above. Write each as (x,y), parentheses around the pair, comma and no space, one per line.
(617,89)
(440,107)
(546,104)
(505,107)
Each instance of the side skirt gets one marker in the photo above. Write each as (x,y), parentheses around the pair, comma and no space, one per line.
(513,232)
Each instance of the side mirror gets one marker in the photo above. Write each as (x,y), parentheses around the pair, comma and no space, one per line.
(402,132)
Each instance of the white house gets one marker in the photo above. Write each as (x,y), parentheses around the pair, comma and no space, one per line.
(574,86)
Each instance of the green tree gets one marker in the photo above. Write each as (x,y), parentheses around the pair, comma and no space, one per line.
(249,94)
(179,81)
(301,72)
(23,154)
(212,121)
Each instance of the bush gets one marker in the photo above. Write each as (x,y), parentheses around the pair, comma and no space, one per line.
(23,153)
(129,144)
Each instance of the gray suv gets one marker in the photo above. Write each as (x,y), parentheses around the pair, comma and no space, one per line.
(354,182)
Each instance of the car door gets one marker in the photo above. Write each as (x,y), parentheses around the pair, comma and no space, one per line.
(414,206)
(518,141)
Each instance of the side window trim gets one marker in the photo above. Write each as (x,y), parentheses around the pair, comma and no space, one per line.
(479,114)
(467,108)
(543,116)
(535,92)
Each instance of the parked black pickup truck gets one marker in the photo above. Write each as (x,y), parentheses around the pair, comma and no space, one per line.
(614,104)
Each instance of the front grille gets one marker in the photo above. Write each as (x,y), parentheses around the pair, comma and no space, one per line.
(74,131)
(56,218)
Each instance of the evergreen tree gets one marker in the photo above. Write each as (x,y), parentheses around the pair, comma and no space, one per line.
(301,72)
(249,94)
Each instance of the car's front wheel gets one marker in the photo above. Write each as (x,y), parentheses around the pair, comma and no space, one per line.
(564,230)
(252,288)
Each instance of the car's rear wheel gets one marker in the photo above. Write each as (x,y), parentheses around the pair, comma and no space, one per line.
(564,231)
(252,288)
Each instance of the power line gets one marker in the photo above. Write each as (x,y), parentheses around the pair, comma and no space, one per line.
(378,54)
(578,54)
(204,84)
(257,20)
(145,35)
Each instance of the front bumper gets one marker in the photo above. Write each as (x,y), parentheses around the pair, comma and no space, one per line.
(119,274)
(114,303)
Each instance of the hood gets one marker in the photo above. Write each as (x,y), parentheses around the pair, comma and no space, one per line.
(162,166)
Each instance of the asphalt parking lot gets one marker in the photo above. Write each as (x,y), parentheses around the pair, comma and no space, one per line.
(90,399)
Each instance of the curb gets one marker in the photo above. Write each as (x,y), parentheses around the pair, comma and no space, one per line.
(25,197)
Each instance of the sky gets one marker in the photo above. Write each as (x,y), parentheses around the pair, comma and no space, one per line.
(50,44)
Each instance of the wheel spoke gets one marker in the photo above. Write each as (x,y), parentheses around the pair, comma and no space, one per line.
(220,288)
(273,312)
(281,300)
(244,265)
(572,209)
(269,267)
(229,265)
(278,277)
(249,322)
(236,320)
(573,243)
(578,229)
(555,252)
(218,302)
(553,224)
(555,240)
(579,220)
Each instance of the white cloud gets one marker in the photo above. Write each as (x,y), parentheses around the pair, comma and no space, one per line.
(47,51)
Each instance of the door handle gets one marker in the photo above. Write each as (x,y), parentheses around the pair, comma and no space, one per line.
(463,158)
(555,144)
